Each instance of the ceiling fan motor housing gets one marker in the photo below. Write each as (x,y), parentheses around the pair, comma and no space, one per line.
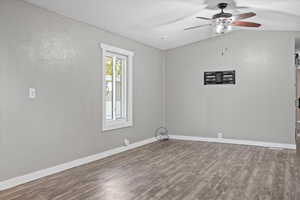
(222,15)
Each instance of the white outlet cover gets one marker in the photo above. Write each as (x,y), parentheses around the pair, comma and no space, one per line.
(220,135)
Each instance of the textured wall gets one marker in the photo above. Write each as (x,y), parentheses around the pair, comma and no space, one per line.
(62,59)
(259,107)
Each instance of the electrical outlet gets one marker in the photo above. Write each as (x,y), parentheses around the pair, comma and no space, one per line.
(220,135)
(126,142)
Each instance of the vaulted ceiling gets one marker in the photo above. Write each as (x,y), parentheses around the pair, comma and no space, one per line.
(160,23)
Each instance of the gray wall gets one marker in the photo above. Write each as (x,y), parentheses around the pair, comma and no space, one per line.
(62,59)
(259,107)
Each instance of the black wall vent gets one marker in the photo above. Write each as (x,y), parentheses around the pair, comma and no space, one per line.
(219,77)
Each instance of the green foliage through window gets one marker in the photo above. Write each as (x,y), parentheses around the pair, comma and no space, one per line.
(109,66)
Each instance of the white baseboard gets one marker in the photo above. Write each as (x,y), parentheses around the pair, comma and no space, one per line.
(234,141)
(59,168)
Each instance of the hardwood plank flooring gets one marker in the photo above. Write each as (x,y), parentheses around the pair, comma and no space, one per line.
(175,170)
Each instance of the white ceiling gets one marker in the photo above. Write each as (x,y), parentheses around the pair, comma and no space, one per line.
(160,23)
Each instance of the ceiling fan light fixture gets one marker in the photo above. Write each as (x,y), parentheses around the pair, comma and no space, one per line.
(229,28)
(223,25)
(222,22)
(219,29)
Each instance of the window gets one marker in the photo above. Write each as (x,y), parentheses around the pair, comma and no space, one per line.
(117,87)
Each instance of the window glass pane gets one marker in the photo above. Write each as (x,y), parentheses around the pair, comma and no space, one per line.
(116,88)
(119,77)
(109,87)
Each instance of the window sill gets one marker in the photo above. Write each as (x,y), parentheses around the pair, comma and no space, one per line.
(116,125)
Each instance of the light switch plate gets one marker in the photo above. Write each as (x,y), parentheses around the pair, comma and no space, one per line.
(32,93)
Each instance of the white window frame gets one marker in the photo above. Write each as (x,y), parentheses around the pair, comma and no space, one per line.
(107,125)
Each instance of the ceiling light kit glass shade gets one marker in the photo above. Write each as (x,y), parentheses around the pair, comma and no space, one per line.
(223,25)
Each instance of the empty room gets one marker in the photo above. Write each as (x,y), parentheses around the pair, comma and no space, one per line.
(150,100)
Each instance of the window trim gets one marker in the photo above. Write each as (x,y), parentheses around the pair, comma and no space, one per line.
(122,123)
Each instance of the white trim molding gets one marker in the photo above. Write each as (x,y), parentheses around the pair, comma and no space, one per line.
(126,120)
(234,141)
(59,168)
(116,50)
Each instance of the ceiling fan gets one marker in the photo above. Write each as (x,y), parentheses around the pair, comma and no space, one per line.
(224,21)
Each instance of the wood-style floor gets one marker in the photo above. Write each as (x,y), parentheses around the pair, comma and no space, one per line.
(175,170)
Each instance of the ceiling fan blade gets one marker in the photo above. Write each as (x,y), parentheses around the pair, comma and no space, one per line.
(205,18)
(195,27)
(245,15)
(245,24)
